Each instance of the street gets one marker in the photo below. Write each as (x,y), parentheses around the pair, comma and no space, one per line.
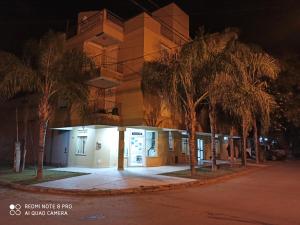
(269,196)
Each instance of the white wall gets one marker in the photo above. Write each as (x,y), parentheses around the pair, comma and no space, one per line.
(106,156)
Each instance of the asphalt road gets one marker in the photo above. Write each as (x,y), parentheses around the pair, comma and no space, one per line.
(270,196)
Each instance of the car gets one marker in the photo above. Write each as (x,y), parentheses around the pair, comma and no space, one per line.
(275,153)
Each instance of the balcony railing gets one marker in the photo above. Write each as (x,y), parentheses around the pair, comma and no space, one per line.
(94,20)
(103,106)
(90,22)
(107,62)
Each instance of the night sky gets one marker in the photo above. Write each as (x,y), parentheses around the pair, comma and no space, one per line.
(273,24)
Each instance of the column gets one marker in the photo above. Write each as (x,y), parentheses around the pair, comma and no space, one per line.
(121,148)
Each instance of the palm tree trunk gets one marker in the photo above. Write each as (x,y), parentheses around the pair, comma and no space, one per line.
(244,151)
(25,137)
(192,142)
(231,145)
(42,136)
(212,119)
(255,137)
(43,117)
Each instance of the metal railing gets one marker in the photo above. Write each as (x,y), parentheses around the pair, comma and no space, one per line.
(91,21)
(103,106)
(107,62)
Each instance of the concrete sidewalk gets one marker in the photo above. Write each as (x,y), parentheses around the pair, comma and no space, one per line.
(112,179)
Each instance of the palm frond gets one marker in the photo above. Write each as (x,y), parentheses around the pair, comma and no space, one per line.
(15,76)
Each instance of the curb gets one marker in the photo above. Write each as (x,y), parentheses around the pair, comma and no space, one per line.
(126,191)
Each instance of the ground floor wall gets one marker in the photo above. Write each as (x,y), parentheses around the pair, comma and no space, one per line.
(91,147)
(98,147)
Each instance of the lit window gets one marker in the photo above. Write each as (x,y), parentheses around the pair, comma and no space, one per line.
(151,143)
(81,145)
(171,141)
(185,146)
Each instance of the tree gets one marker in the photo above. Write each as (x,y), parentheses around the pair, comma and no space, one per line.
(247,97)
(183,79)
(51,72)
(261,68)
(286,89)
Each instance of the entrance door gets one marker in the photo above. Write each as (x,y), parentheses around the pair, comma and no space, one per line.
(59,146)
(137,146)
(200,149)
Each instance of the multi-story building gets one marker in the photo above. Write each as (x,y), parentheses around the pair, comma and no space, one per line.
(123,127)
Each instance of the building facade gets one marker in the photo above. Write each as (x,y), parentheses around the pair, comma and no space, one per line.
(123,127)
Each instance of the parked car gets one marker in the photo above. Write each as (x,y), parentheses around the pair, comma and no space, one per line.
(275,152)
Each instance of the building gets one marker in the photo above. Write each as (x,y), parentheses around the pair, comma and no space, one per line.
(123,127)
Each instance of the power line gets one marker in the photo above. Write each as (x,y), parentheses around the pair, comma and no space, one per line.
(168,15)
(140,6)
(153,3)
(160,21)
(147,54)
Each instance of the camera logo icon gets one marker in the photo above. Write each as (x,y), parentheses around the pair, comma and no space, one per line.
(15,209)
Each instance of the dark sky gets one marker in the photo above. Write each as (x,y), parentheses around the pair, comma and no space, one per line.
(273,24)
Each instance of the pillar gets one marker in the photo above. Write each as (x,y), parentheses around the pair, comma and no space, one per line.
(121,148)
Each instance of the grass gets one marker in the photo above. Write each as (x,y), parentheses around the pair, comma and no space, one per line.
(206,173)
(27,177)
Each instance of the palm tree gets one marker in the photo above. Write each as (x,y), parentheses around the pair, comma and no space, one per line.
(246,97)
(260,68)
(183,80)
(51,72)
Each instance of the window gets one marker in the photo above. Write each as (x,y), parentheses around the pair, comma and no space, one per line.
(185,146)
(81,144)
(200,149)
(171,141)
(151,143)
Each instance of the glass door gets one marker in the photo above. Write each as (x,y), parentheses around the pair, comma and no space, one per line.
(137,147)
(200,149)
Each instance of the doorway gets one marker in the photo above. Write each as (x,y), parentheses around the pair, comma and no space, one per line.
(200,149)
(137,146)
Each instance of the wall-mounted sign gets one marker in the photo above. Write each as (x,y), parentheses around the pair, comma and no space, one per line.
(82,132)
(98,145)
(136,133)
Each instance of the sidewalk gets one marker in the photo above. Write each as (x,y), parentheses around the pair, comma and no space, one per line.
(110,181)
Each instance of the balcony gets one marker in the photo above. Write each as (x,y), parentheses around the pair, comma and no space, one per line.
(103,106)
(101,27)
(100,111)
(104,112)
(109,71)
